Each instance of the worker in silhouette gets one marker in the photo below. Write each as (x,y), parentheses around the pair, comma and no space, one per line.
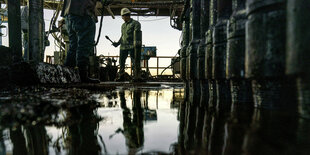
(81,24)
(127,39)
(132,122)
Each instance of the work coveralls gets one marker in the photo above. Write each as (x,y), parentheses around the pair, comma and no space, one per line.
(126,42)
(80,21)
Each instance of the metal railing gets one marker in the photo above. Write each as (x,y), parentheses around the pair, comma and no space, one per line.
(157,67)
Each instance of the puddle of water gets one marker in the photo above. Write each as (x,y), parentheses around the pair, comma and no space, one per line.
(119,122)
(142,121)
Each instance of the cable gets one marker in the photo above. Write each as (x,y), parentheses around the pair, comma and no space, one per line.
(100,27)
(175,61)
(101,21)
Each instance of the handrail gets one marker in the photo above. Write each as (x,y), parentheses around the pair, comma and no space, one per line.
(157,67)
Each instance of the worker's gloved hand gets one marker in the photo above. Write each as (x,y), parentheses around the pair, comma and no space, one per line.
(115,44)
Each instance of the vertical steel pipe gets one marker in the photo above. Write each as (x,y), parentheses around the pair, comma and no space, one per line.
(204,25)
(36,29)
(15,40)
(224,9)
(185,43)
(192,51)
(298,50)
(194,39)
(240,87)
(265,54)
(208,53)
(138,47)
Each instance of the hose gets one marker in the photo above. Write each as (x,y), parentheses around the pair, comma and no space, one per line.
(103,2)
(100,27)
(175,61)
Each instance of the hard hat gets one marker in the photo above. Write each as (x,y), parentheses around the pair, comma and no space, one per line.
(125,11)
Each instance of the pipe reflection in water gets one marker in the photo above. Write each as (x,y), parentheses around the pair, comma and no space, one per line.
(217,133)
(2,145)
(18,140)
(303,136)
(199,126)
(272,132)
(181,138)
(36,140)
(82,133)
(241,130)
(236,128)
(190,117)
(31,140)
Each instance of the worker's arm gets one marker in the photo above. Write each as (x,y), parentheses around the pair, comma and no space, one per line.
(115,44)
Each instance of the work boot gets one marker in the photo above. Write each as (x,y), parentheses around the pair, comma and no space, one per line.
(85,79)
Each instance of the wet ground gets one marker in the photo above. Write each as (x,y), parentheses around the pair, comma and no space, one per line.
(132,120)
(150,119)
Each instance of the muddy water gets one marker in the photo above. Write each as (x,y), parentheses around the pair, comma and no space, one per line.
(142,121)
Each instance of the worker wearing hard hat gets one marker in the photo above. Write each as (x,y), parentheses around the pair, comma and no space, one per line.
(126,41)
(81,21)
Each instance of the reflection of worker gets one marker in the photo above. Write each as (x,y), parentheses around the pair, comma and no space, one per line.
(80,21)
(127,39)
(133,128)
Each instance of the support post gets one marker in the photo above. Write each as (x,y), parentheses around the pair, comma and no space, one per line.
(265,55)
(192,51)
(138,46)
(224,9)
(240,87)
(15,40)
(209,54)
(204,25)
(185,43)
(36,29)
(297,51)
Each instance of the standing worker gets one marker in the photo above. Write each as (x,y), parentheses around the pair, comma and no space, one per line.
(127,39)
(81,25)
